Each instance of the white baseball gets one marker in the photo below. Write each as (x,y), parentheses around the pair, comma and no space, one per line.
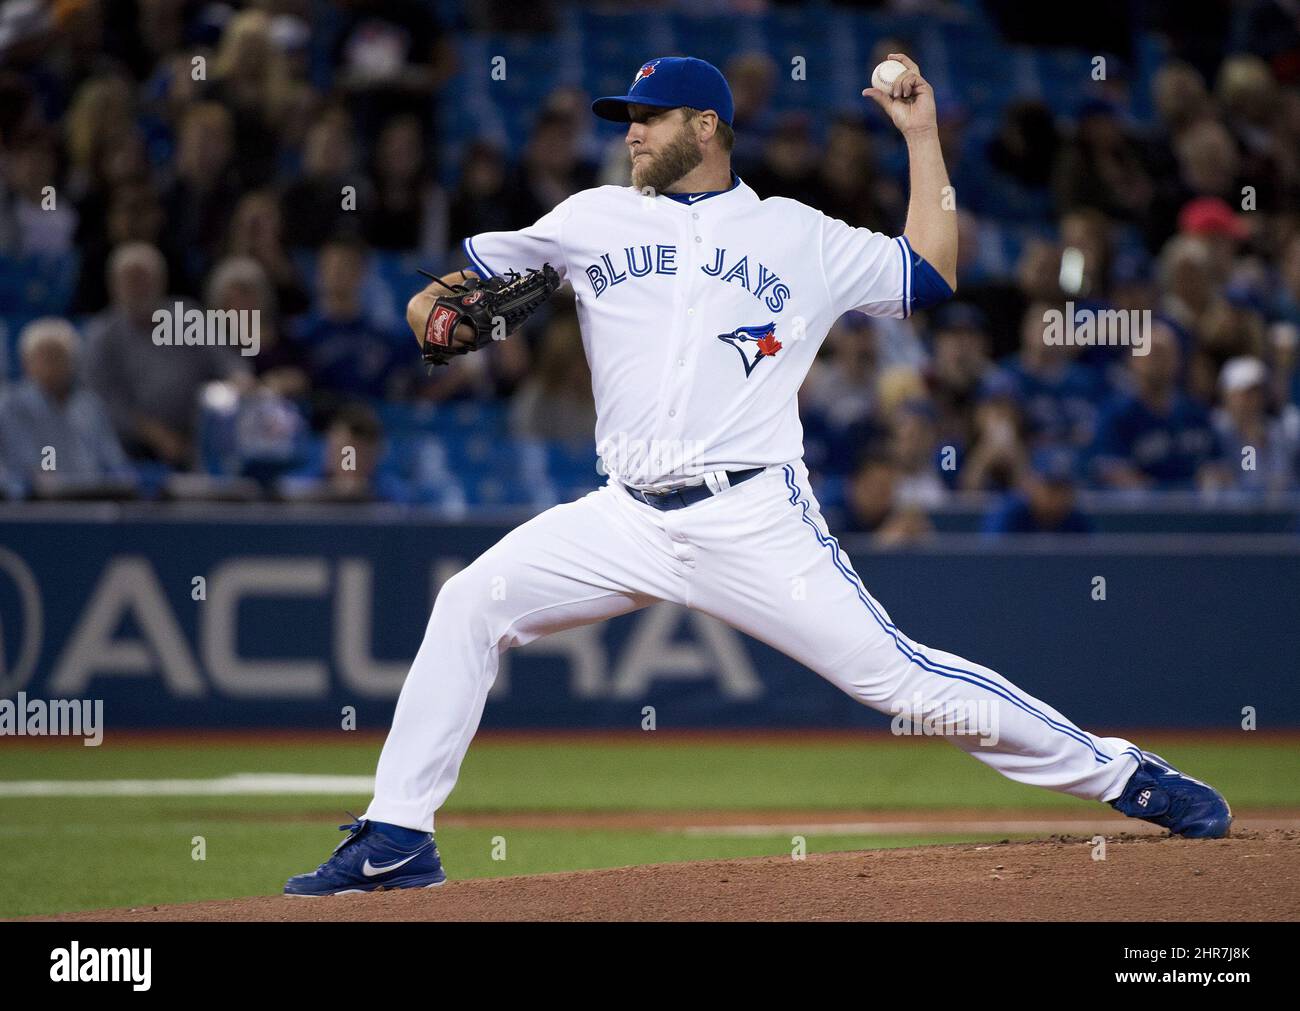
(885,74)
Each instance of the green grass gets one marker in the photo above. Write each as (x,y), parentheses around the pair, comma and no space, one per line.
(83,853)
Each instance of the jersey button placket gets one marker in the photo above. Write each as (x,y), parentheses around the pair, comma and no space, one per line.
(687,335)
(677,381)
(662,427)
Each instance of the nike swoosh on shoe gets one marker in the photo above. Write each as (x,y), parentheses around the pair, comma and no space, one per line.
(370,870)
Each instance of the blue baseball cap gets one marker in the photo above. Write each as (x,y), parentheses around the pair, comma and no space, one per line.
(670,82)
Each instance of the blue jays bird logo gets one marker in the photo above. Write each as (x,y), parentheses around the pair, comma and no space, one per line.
(644,72)
(763,339)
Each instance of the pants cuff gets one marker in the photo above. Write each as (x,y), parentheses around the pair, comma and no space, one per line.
(406,814)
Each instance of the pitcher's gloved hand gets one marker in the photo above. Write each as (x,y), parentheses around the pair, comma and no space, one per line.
(496,307)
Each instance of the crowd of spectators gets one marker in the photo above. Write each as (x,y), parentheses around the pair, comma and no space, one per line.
(176,154)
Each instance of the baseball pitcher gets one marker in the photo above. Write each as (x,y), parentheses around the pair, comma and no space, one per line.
(702,306)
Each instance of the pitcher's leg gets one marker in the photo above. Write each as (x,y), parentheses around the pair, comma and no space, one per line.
(778,539)
(572,565)
(980,711)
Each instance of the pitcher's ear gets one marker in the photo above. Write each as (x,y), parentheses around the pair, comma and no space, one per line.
(708,124)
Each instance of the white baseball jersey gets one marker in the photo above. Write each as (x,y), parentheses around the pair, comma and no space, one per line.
(700,320)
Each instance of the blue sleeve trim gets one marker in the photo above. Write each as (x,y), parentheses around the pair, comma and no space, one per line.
(906,250)
(923,286)
(480,267)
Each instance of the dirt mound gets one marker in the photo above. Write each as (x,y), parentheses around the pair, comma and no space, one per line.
(1254,875)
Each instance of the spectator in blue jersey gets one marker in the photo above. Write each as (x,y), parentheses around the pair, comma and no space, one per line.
(348,356)
(1157,437)
(1045,501)
(1058,394)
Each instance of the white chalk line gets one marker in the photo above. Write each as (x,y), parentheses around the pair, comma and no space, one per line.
(242,784)
(246,784)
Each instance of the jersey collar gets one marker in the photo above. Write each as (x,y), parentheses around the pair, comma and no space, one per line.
(695,198)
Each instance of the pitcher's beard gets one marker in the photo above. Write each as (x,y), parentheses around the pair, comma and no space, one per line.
(674,160)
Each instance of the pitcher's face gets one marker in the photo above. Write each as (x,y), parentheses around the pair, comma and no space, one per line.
(662,146)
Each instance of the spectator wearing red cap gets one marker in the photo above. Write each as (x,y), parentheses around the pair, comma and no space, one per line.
(1212,220)
(1211,216)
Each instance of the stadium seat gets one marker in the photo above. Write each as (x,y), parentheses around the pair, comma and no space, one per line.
(40,285)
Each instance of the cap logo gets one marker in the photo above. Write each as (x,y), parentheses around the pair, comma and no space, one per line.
(644,72)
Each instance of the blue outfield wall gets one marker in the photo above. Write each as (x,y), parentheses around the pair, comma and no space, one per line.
(305,615)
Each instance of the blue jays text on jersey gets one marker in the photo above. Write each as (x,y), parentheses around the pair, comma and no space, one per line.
(613,269)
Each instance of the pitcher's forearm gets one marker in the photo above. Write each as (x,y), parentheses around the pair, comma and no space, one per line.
(931,211)
(421,304)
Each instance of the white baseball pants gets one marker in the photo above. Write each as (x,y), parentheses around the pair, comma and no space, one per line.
(608,553)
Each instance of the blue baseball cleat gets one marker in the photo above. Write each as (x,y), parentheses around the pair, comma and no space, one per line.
(367,861)
(1160,794)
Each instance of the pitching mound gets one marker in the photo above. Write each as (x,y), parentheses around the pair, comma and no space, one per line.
(1254,875)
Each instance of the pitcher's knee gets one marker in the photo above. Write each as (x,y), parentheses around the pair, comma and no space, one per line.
(476,600)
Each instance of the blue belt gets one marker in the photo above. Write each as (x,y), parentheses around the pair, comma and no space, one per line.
(680,498)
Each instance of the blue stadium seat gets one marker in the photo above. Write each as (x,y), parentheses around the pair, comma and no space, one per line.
(401,454)
(497,490)
(400,417)
(150,477)
(475,417)
(399,274)
(831,491)
(40,285)
(1152,51)
(481,453)
(11,325)
(569,461)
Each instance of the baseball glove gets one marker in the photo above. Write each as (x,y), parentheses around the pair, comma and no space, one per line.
(494,308)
